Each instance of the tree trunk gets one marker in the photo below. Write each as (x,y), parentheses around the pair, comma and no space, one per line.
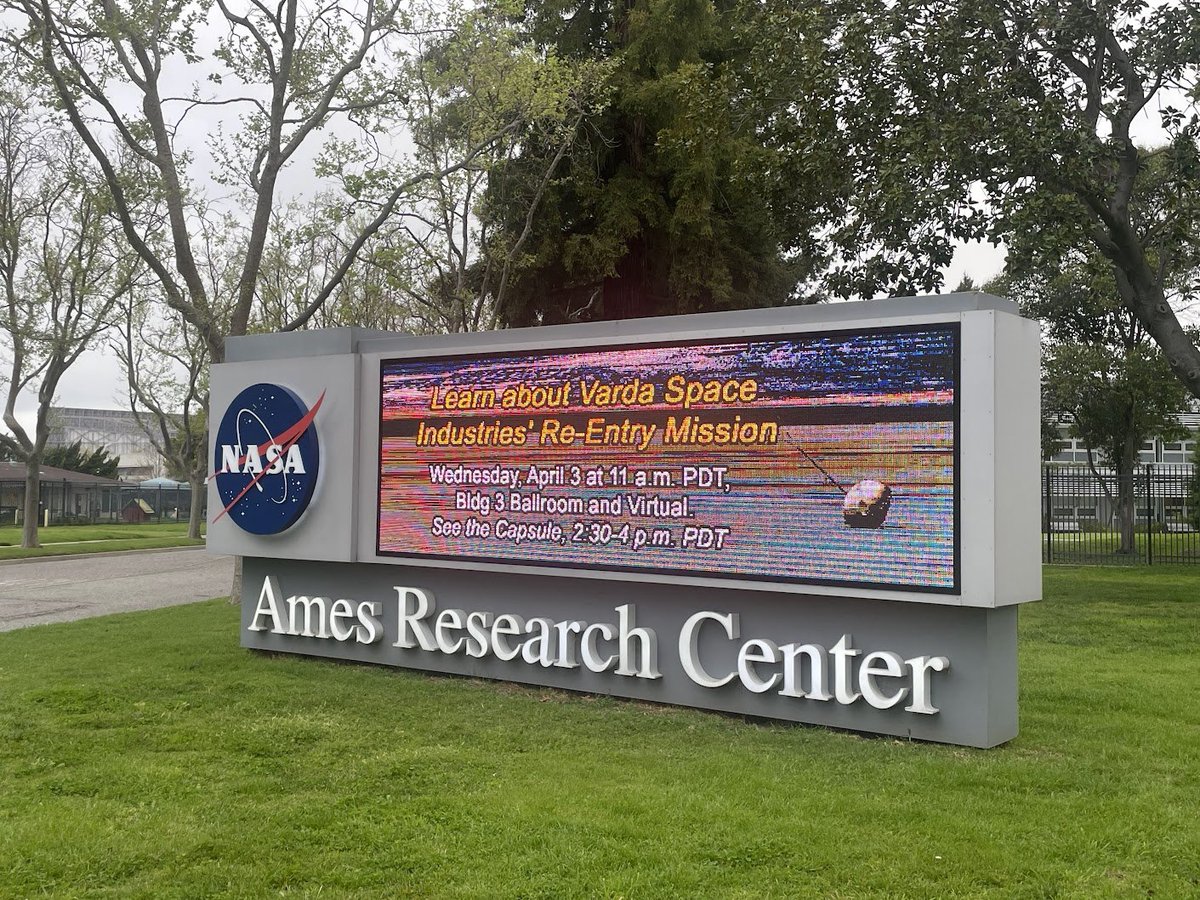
(198,489)
(624,293)
(1126,502)
(33,493)
(1143,295)
(235,593)
(1125,512)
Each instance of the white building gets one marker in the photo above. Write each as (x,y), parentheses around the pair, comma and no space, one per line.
(1073,450)
(1076,500)
(114,429)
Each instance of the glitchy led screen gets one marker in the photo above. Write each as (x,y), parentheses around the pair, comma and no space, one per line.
(823,458)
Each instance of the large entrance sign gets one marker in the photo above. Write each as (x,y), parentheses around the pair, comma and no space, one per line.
(820,514)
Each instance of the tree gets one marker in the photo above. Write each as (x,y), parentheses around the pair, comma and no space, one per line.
(1051,440)
(1117,398)
(680,194)
(437,266)
(295,73)
(753,153)
(74,458)
(1001,119)
(452,266)
(61,272)
(305,244)
(166,372)
(1103,372)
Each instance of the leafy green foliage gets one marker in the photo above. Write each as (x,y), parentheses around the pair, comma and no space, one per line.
(673,198)
(63,268)
(476,89)
(1118,397)
(1050,440)
(1014,121)
(74,458)
(1100,366)
(1101,370)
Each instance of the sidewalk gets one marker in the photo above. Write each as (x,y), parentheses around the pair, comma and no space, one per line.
(64,588)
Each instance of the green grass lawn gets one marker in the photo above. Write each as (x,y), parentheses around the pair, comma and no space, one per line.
(70,539)
(147,755)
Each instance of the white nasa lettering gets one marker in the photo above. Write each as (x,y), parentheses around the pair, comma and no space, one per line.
(295,462)
(253,464)
(315,617)
(414,606)
(268,605)
(278,462)
(340,610)
(230,454)
(817,662)
(369,628)
(315,609)
(477,636)
(537,641)
(884,679)
(275,458)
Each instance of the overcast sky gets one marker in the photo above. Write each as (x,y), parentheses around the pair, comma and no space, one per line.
(96,380)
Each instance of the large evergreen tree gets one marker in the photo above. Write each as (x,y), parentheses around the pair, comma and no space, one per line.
(74,458)
(671,199)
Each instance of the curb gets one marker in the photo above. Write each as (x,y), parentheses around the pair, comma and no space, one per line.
(54,557)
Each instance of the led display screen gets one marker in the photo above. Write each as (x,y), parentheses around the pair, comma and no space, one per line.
(822,458)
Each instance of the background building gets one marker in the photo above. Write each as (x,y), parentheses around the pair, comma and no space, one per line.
(73,498)
(114,429)
(1073,450)
(1077,499)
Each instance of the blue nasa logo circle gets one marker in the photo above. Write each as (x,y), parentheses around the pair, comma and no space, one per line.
(267,458)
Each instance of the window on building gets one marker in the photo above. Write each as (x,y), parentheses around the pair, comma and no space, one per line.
(1173,452)
(1072,450)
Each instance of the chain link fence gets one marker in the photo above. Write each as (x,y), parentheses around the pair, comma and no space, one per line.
(1080,516)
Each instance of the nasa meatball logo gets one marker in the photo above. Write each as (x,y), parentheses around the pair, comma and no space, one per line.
(267,458)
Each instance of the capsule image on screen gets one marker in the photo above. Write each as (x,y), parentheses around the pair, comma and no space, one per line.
(866,504)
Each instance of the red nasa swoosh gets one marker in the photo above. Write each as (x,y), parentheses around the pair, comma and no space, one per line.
(284,441)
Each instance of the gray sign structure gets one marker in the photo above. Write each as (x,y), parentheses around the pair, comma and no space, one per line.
(929,664)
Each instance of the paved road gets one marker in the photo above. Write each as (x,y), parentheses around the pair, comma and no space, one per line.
(36,591)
